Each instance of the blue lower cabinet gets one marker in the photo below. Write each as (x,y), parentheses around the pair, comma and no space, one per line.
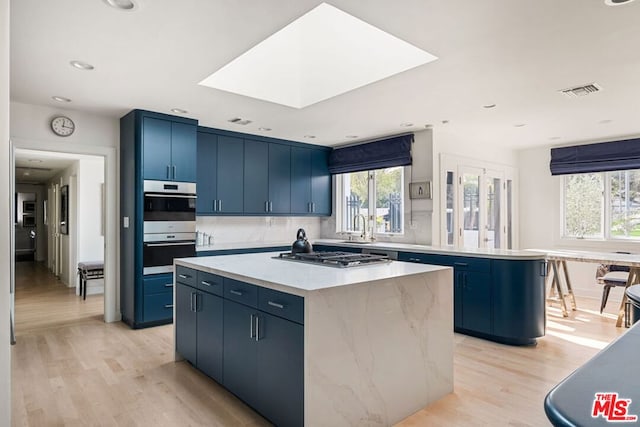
(199,329)
(185,323)
(157,299)
(475,301)
(280,371)
(240,353)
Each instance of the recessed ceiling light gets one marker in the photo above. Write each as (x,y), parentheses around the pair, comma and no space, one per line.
(603,122)
(444,122)
(265,129)
(351,136)
(35,160)
(121,4)
(519,125)
(81,65)
(60,99)
(616,2)
(310,136)
(406,124)
(428,126)
(179,111)
(554,138)
(489,106)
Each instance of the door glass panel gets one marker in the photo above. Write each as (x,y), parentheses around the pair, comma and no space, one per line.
(493,221)
(450,207)
(625,203)
(509,219)
(388,208)
(471,211)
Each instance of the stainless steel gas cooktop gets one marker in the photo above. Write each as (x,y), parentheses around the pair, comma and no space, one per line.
(335,259)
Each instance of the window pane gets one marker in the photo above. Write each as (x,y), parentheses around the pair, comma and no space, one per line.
(450,207)
(583,205)
(356,191)
(509,214)
(493,212)
(625,204)
(388,207)
(471,210)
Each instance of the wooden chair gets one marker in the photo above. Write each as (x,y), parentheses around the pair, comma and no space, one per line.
(611,276)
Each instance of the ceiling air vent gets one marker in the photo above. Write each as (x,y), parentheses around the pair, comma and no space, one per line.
(239,121)
(585,90)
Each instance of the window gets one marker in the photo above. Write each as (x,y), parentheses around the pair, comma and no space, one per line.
(602,205)
(378,196)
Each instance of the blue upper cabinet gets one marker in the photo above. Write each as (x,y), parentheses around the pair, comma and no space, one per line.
(310,182)
(279,179)
(230,175)
(256,177)
(168,149)
(206,168)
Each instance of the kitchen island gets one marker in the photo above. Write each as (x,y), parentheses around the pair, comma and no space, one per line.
(326,346)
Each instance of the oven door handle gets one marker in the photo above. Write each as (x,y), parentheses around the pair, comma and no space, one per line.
(170,244)
(171,195)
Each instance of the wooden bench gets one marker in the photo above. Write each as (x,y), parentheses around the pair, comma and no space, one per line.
(89,270)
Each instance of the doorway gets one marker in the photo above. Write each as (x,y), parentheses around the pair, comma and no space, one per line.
(108,217)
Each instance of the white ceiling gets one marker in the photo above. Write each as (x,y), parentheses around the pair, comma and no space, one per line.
(39,167)
(513,53)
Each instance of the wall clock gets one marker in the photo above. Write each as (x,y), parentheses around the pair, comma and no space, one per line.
(62,126)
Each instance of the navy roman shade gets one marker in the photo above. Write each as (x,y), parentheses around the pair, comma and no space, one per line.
(601,157)
(384,153)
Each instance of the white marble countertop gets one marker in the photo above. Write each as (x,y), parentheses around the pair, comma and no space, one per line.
(406,247)
(399,247)
(299,278)
(631,260)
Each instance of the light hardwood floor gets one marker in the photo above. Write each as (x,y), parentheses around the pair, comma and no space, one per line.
(70,368)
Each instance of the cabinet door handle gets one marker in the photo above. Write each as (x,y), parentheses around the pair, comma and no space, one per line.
(543,268)
(460,264)
(191,305)
(251,327)
(234,292)
(215,205)
(414,259)
(275,304)
(270,206)
(219,205)
(257,328)
(168,285)
(313,207)
(266,206)
(168,168)
(168,306)
(174,171)
(205,283)
(184,276)
(309,207)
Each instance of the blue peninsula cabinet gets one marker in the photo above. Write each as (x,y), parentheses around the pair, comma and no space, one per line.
(248,338)
(497,299)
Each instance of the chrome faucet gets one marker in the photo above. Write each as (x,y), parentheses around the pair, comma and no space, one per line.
(364,225)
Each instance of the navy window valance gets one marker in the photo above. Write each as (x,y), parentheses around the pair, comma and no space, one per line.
(601,157)
(385,153)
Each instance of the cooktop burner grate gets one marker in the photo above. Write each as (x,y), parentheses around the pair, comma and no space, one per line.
(335,259)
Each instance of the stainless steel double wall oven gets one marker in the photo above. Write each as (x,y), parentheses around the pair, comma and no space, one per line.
(169,224)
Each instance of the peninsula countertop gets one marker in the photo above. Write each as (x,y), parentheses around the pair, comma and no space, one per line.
(265,269)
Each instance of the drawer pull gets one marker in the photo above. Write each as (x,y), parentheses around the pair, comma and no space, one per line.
(414,259)
(206,283)
(234,292)
(275,304)
(168,285)
(168,306)
(184,276)
(460,264)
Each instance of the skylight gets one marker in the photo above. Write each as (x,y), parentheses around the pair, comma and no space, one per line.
(322,54)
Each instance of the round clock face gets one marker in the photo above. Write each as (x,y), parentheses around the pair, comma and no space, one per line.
(62,126)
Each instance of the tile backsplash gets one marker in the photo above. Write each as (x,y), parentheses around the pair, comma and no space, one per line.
(258,229)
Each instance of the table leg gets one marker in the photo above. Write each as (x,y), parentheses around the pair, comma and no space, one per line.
(631,280)
(569,288)
(555,264)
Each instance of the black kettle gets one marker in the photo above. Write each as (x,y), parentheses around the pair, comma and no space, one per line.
(301,245)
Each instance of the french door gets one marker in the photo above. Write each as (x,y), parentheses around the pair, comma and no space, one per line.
(477,211)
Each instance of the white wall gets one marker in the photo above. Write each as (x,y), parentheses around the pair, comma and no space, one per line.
(89,210)
(540,223)
(5,220)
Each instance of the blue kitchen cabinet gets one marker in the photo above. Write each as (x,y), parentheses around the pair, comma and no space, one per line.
(473,302)
(267,178)
(320,183)
(240,356)
(518,300)
(206,173)
(280,370)
(185,323)
(230,175)
(310,182)
(157,299)
(169,150)
(256,177)
(199,333)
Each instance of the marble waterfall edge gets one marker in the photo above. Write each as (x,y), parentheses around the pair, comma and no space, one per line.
(378,351)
